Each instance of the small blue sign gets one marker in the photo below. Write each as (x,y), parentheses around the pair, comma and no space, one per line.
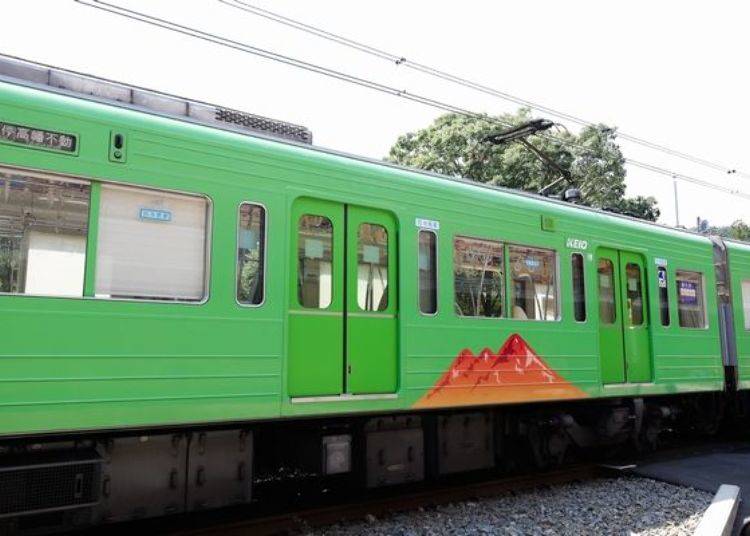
(153,214)
(688,292)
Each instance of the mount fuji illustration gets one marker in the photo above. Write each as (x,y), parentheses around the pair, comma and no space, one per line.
(514,374)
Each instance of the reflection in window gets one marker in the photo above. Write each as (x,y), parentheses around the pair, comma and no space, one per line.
(372,267)
(634,294)
(314,253)
(663,296)
(534,289)
(690,306)
(579,292)
(251,254)
(478,277)
(607,301)
(746,302)
(427,272)
(43,229)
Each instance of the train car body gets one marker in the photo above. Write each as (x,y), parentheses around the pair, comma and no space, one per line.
(207,279)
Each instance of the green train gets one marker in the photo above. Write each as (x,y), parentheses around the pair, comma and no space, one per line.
(194,297)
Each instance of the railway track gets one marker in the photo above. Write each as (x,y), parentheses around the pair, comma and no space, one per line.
(297,520)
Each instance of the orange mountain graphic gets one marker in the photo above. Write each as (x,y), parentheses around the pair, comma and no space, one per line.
(514,374)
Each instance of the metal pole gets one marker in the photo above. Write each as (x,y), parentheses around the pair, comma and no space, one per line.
(676,204)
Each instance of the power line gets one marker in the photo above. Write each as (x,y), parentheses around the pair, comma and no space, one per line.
(437,73)
(339,75)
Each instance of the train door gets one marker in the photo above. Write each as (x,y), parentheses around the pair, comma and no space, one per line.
(343,301)
(624,343)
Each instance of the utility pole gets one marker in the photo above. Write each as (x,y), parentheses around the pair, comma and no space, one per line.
(676,204)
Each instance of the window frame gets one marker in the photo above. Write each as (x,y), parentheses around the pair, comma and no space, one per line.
(583,287)
(503,287)
(207,248)
(437,274)
(705,325)
(508,282)
(333,259)
(265,254)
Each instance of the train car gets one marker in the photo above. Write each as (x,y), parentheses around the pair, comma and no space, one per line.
(192,297)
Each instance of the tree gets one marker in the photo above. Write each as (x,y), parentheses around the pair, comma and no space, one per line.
(454,145)
(739,230)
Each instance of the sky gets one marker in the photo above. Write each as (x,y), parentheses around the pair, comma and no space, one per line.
(673,72)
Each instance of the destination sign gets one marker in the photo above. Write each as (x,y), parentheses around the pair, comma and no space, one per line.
(38,138)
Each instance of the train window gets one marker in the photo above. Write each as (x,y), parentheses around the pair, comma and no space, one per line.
(315,255)
(579,288)
(690,299)
(634,293)
(478,277)
(746,302)
(607,300)
(372,267)
(251,254)
(427,272)
(663,296)
(151,245)
(43,229)
(533,291)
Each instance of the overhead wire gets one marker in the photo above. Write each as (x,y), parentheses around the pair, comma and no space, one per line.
(441,74)
(370,84)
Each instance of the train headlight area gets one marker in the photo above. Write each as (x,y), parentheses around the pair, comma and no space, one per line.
(200,308)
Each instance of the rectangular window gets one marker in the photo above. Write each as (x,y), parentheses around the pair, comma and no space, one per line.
(579,289)
(478,277)
(427,272)
(607,300)
(746,301)
(251,254)
(151,245)
(690,299)
(372,267)
(634,294)
(533,292)
(663,296)
(43,230)
(314,256)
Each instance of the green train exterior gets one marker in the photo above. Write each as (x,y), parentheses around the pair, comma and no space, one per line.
(86,364)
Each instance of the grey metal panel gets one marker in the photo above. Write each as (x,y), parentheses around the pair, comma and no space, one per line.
(20,71)
(726,313)
(24,71)
(394,451)
(219,469)
(144,476)
(465,442)
(160,103)
(88,86)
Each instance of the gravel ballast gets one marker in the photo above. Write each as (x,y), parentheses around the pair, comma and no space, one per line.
(625,505)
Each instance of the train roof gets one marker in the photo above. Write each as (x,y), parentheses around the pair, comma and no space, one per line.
(21,72)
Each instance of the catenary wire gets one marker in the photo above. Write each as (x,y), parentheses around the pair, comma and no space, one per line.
(294,62)
(438,73)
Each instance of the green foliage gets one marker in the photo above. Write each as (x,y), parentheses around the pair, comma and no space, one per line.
(739,230)
(454,145)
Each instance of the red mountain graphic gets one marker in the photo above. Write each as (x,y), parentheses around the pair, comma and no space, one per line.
(514,374)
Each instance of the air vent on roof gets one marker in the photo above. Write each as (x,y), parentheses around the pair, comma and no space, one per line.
(17,70)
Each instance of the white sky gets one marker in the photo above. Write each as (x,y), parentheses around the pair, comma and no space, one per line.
(673,72)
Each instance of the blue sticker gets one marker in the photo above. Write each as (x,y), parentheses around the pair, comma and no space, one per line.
(153,214)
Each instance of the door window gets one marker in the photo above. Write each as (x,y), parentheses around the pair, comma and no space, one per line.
(314,254)
(634,294)
(663,296)
(372,267)
(607,303)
